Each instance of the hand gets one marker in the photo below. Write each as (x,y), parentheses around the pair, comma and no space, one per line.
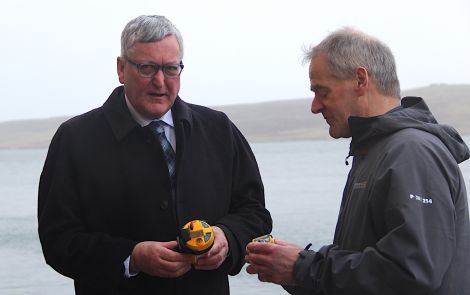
(159,259)
(273,262)
(216,255)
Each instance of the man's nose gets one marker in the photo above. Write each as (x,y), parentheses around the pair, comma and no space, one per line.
(158,79)
(316,106)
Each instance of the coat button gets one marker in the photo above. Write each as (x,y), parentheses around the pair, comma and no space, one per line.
(163,205)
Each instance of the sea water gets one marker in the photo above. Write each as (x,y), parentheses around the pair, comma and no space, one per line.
(303,185)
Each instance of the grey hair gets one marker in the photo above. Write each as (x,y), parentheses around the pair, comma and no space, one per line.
(148,28)
(346,49)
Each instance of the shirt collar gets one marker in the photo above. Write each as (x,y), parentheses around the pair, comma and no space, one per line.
(142,121)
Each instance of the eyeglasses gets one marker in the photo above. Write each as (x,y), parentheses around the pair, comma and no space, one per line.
(148,70)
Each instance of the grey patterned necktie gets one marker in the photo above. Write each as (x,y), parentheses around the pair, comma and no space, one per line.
(168,152)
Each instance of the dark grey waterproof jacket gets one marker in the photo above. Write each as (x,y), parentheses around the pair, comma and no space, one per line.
(403,226)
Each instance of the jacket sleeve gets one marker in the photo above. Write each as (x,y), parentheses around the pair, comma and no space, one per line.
(248,217)
(68,246)
(413,215)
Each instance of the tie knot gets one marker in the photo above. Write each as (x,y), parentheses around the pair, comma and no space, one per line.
(157,126)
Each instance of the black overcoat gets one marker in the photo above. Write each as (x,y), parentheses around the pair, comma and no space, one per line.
(105,187)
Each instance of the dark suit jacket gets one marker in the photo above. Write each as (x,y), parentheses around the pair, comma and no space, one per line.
(105,187)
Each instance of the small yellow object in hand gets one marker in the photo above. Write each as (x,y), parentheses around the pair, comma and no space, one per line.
(264,239)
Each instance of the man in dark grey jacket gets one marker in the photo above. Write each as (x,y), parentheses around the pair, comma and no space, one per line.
(403,225)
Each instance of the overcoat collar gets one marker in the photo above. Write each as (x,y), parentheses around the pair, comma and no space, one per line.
(121,122)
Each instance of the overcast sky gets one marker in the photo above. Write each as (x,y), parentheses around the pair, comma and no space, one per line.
(59,57)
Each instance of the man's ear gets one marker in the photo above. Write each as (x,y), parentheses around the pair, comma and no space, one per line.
(120,63)
(362,80)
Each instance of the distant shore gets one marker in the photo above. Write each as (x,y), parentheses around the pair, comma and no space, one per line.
(282,120)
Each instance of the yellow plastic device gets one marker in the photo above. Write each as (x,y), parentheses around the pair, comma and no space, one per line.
(264,239)
(196,237)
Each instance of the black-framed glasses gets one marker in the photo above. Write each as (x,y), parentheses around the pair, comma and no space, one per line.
(148,70)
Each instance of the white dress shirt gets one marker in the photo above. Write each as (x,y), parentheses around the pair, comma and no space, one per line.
(167,118)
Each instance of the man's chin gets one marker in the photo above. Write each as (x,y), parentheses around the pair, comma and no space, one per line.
(156,111)
(336,134)
(333,133)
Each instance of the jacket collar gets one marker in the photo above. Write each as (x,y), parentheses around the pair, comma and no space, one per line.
(121,122)
(413,113)
(182,116)
(116,112)
(365,129)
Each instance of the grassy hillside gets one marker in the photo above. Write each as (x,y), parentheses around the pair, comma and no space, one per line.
(292,119)
(268,121)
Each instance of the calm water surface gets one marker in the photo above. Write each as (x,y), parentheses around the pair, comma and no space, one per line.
(303,183)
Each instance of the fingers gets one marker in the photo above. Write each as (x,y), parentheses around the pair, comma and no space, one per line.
(170,269)
(272,262)
(259,248)
(162,258)
(265,278)
(263,273)
(258,268)
(216,255)
(258,254)
(159,259)
(172,245)
(211,260)
(257,263)
(282,243)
